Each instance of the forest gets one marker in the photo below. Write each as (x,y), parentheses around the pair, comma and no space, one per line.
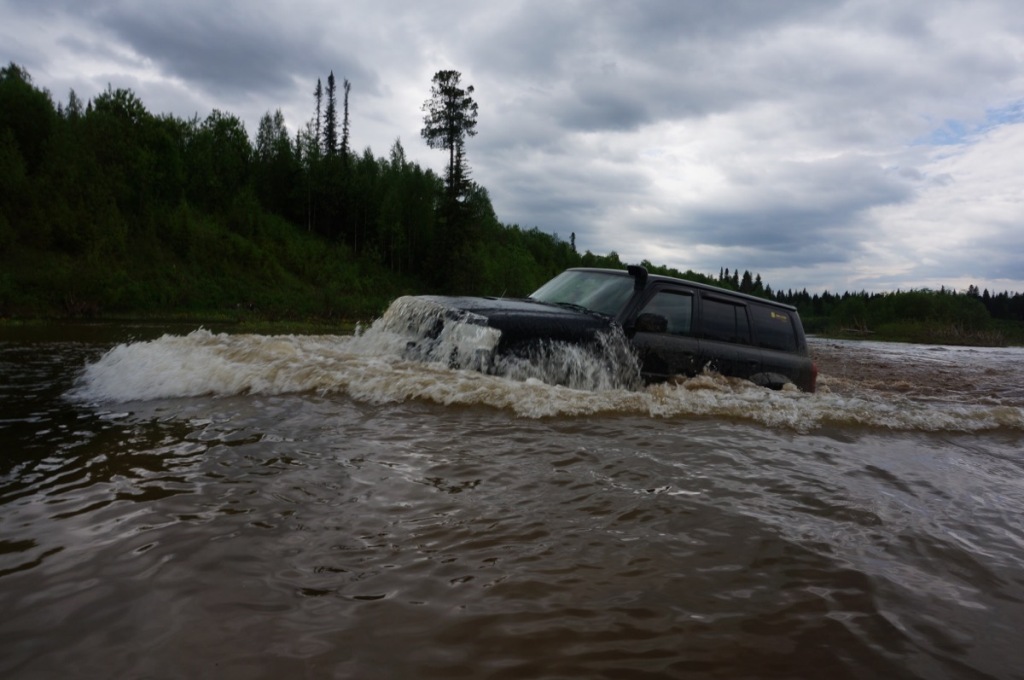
(108,210)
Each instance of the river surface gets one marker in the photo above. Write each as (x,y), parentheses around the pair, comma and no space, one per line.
(202,505)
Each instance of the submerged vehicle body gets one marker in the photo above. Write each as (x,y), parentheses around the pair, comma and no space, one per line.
(674,328)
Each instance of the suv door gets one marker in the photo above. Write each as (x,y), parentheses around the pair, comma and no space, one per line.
(726,345)
(663,334)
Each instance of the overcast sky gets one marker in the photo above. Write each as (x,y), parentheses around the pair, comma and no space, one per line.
(865,144)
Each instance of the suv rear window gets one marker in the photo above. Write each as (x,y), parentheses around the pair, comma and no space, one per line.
(774,328)
(725,321)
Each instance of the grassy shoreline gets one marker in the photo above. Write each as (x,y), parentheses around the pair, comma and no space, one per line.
(1005,336)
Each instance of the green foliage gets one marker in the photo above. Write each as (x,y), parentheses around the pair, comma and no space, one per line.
(915,316)
(27,114)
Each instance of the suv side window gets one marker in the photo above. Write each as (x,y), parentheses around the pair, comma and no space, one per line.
(676,307)
(724,321)
(774,328)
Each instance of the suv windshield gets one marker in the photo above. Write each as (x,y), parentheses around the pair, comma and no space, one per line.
(601,292)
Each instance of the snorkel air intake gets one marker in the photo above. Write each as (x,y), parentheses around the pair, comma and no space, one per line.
(639,275)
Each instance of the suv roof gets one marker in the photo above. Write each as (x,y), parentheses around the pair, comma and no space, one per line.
(649,278)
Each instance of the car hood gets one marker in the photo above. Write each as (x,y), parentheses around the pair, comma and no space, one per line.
(522,320)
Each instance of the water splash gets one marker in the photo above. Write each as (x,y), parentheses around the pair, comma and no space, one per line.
(407,355)
(420,329)
(423,330)
(610,364)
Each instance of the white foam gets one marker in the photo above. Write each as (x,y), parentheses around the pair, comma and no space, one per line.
(375,366)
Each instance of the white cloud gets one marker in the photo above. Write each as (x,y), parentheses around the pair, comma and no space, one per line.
(966,223)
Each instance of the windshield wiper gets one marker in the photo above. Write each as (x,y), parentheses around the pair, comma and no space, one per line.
(579,308)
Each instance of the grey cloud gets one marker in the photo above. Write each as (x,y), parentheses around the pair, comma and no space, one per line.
(604,111)
(223,50)
(562,197)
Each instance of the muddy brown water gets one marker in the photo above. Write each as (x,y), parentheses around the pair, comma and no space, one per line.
(242,506)
(982,375)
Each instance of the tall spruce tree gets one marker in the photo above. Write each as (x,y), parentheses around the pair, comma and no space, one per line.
(346,87)
(318,93)
(331,118)
(450,118)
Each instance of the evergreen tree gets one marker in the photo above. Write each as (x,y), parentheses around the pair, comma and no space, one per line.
(74,108)
(450,118)
(331,118)
(346,87)
(318,93)
(747,284)
(27,112)
(275,167)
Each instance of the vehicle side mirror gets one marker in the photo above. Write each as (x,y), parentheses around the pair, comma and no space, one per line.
(651,323)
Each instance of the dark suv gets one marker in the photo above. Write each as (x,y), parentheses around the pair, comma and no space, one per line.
(677,328)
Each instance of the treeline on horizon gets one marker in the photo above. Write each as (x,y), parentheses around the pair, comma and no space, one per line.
(107,208)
